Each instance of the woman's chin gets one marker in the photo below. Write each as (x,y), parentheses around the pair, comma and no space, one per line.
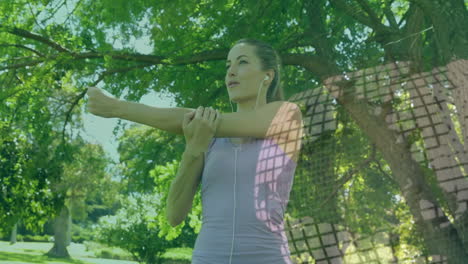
(233,99)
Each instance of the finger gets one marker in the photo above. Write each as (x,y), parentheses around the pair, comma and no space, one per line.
(199,113)
(217,121)
(208,113)
(192,114)
(187,117)
(213,115)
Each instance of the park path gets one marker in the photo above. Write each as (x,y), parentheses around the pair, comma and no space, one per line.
(31,252)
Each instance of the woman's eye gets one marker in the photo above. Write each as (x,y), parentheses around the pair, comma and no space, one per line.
(227,66)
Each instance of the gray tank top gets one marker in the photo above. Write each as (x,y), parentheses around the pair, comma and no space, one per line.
(244,190)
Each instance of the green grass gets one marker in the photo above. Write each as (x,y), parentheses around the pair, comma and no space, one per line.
(179,254)
(18,258)
(102,251)
(33,252)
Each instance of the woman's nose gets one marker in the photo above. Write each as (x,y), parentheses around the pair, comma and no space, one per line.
(231,71)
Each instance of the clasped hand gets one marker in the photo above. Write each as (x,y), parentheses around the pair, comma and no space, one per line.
(199,128)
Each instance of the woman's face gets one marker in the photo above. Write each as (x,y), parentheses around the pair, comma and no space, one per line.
(243,67)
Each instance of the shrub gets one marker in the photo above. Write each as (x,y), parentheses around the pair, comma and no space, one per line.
(141,226)
(106,254)
(78,239)
(33,238)
(133,228)
(81,233)
(103,251)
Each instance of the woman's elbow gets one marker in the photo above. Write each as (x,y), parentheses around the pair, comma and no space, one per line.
(171,219)
(174,224)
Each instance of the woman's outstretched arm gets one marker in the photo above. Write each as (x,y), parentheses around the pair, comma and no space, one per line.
(168,119)
(275,119)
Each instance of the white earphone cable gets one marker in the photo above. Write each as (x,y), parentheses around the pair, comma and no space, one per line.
(260,88)
(235,177)
(234,210)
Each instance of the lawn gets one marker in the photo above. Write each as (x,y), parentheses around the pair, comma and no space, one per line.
(33,252)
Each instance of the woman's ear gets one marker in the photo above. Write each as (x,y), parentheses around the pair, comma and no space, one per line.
(271,74)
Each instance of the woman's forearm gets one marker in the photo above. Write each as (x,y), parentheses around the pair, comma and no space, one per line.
(168,119)
(184,186)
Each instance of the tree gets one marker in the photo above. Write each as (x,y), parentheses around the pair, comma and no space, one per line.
(141,226)
(30,163)
(318,41)
(82,177)
(142,149)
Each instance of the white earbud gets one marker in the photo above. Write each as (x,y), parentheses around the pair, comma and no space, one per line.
(260,88)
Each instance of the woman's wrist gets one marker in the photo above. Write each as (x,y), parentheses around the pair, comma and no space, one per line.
(193,152)
(119,109)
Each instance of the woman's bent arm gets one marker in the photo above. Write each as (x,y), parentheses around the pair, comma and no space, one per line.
(184,186)
(271,120)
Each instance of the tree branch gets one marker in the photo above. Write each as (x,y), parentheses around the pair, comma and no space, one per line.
(389,14)
(211,55)
(350,11)
(370,13)
(182,60)
(21,58)
(22,65)
(22,47)
(68,115)
(317,30)
(29,35)
(350,173)
(404,17)
(296,42)
(357,14)
(120,70)
(34,15)
(73,11)
(153,59)
(10,83)
(11,94)
(54,11)
(313,63)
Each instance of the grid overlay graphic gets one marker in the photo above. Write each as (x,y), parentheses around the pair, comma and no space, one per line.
(426,114)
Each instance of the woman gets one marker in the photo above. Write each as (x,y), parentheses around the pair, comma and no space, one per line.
(244,160)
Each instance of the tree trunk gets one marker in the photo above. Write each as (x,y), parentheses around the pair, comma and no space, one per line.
(394,241)
(60,232)
(440,235)
(13,234)
(69,225)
